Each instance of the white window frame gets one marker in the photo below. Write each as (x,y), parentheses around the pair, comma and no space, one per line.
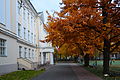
(3,48)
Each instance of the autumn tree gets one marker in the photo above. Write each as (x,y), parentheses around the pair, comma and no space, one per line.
(87,23)
(69,49)
(60,34)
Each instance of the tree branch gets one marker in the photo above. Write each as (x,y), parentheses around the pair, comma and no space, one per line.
(98,48)
(115,14)
(114,37)
(117,44)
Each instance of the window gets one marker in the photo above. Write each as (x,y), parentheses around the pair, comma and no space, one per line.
(28,35)
(19,7)
(34,24)
(29,54)
(19,29)
(20,51)
(2,47)
(32,53)
(25,53)
(28,17)
(24,13)
(31,20)
(24,33)
(32,37)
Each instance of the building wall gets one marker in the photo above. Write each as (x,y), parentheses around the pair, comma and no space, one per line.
(8,63)
(30,52)
(21,26)
(27,18)
(37,31)
(12,15)
(32,22)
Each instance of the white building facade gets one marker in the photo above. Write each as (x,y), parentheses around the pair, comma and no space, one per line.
(46,49)
(20,32)
(8,37)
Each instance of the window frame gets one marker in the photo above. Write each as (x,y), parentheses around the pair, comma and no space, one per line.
(32,37)
(25,52)
(28,35)
(3,46)
(19,7)
(19,29)
(24,33)
(24,15)
(28,17)
(20,51)
(29,53)
(33,54)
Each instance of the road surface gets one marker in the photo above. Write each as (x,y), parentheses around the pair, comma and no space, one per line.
(66,71)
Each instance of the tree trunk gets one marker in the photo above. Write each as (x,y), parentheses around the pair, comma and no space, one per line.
(106,56)
(86,60)
(106,47)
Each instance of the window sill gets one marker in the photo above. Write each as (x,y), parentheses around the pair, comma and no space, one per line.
(3,56)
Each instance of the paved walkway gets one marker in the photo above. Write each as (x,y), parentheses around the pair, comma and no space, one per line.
(66,71)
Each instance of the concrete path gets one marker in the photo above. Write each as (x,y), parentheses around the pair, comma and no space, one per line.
(66,71)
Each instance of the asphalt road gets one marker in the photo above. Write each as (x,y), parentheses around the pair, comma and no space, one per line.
(58,72)
(66,71)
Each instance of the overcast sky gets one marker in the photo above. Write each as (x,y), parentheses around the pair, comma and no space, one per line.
(49,5)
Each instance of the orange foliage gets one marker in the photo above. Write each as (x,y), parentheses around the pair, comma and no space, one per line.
(86,23)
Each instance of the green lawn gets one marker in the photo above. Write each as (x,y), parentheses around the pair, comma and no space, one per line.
(115,66)
(21,75)
(100,62)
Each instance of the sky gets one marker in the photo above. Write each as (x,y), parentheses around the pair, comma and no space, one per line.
(49,5)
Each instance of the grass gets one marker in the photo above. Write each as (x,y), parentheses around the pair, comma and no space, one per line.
(98,71)
(21,75)
(100,62)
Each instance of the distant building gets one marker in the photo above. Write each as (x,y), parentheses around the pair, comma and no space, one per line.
(46,49)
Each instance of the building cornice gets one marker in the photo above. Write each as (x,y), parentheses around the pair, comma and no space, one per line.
(19,40)
(46,47)
(30,5)
(7,32)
